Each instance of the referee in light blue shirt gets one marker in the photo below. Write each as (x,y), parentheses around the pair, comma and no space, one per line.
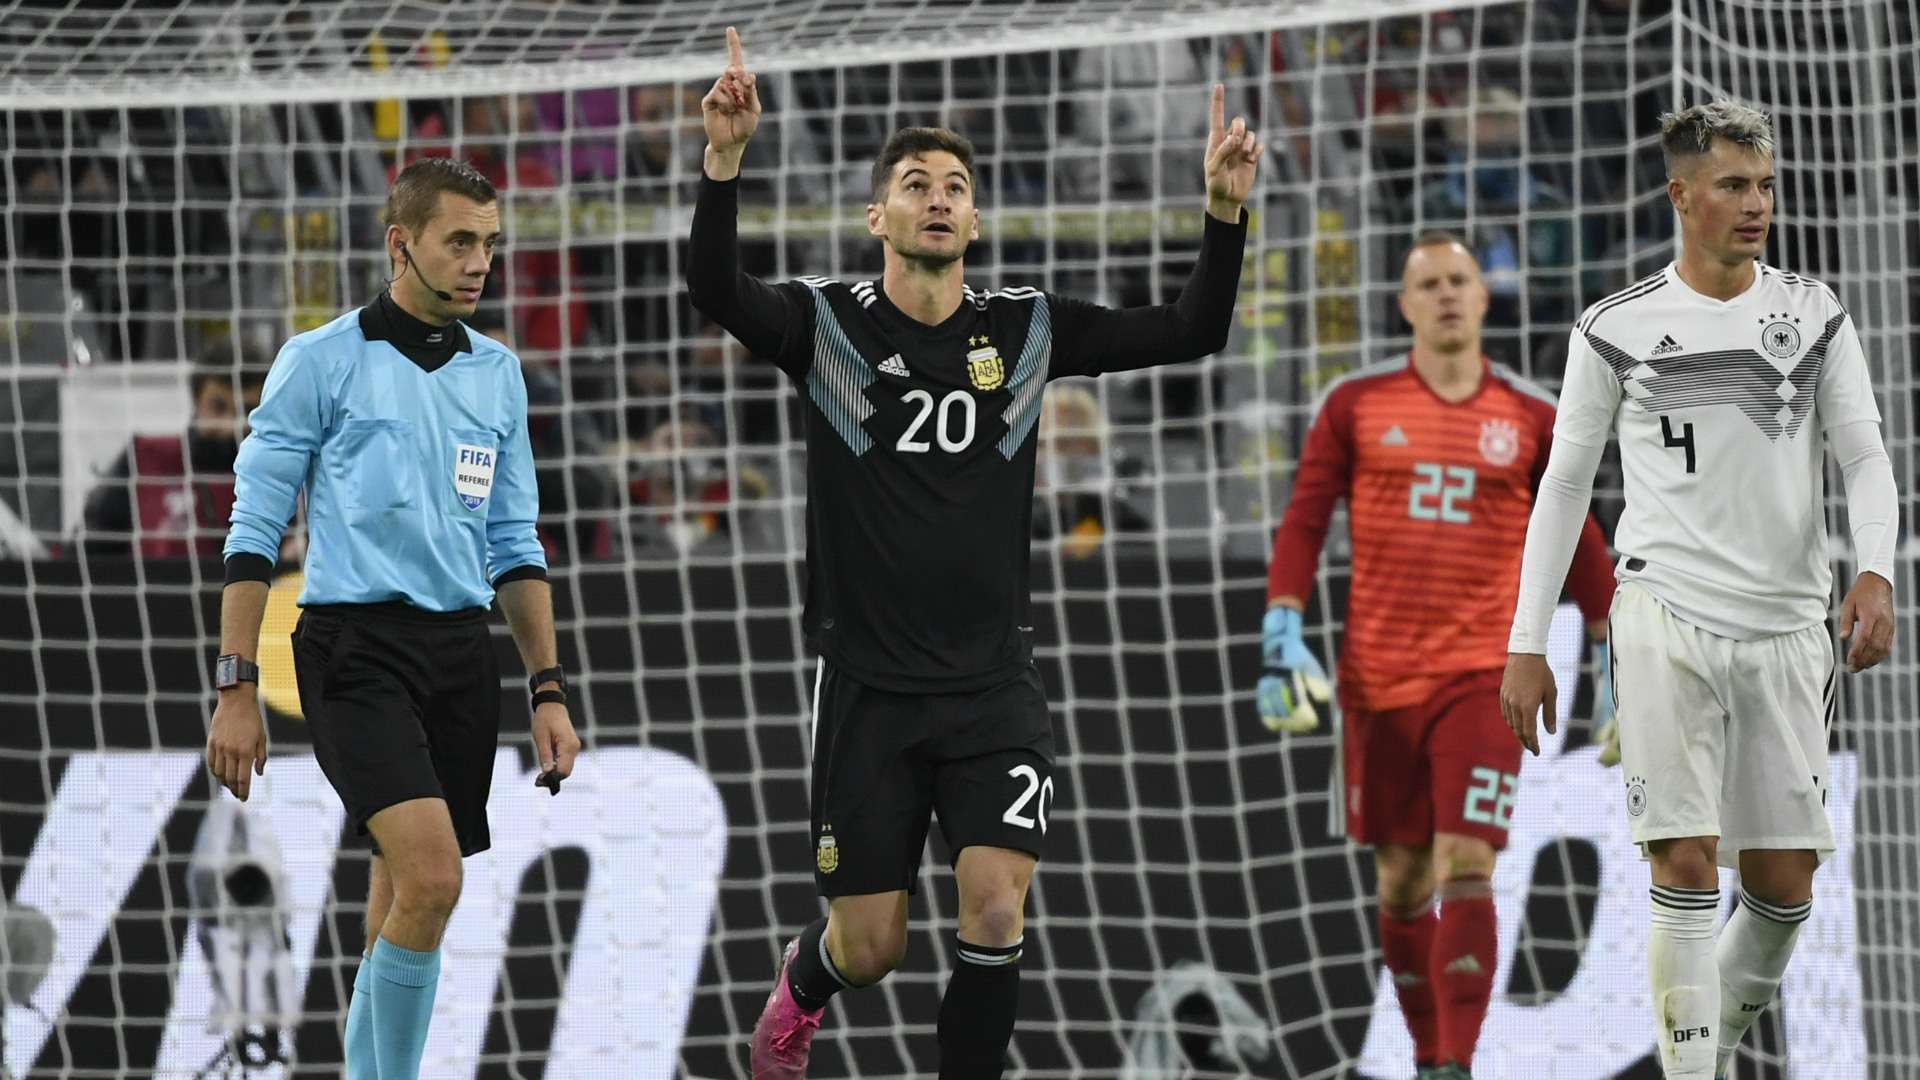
(408,432)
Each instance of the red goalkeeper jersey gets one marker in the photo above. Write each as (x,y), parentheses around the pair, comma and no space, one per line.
(1438,497)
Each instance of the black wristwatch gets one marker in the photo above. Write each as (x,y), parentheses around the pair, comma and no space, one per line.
(231,670)
(555,674)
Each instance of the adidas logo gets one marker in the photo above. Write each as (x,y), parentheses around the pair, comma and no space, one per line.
(1466,965)
(1667,345)
(893,365)
(1394,437)
(1407,978)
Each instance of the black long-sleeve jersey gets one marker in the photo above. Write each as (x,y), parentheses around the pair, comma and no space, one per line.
(920,441)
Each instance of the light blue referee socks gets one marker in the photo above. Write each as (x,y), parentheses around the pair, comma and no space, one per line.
(403,985)
(361,1062)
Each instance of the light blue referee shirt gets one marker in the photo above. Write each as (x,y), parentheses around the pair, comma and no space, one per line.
(419,478)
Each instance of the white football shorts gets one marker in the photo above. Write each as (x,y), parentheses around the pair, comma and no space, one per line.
(1721,737)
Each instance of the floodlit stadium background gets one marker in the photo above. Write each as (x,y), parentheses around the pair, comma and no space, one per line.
(190,183)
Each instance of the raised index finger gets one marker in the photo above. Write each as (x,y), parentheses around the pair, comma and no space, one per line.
(736,57)
(1217,116)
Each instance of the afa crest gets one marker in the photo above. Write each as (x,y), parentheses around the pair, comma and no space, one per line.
(1499,442)
(827,855)
(984,366)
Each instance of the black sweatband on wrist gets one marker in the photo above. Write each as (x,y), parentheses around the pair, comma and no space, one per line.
(246,566)
(549,697)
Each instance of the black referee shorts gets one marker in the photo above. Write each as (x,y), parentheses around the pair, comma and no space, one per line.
(402,704)
(885,763)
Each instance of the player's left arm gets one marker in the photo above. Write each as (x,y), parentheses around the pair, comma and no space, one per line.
(528,605)
(517,565)
(1090,339)
(1850,419)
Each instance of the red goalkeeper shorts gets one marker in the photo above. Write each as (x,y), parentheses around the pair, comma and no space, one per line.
(1450,765)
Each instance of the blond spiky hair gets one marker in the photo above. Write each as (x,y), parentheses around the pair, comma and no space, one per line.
(1690,132)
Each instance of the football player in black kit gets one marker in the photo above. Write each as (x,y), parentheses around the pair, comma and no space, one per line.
(924,394)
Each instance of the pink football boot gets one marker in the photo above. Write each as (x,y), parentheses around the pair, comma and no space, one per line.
(783,1037)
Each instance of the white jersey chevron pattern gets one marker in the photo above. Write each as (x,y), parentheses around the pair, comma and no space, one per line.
(1721,440)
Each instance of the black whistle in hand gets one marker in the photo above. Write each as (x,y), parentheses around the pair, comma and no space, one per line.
(550,781)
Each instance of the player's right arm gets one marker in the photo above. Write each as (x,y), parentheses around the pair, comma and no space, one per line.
(1589,400)
(771,322)
(1292,678)
(284,436)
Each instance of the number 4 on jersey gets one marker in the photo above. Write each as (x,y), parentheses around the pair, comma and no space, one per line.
(1684,440)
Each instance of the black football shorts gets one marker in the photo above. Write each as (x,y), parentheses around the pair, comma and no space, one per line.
(884,763)
(402,704)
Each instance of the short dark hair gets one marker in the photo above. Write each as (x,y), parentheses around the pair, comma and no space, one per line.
(915,142)
(415,194)
(221,362)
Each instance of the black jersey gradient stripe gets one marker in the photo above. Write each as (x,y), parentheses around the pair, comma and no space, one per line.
(1029,379)
(838,376)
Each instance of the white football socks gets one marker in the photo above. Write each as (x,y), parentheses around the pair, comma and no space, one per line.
(1753,953)
(1685,979)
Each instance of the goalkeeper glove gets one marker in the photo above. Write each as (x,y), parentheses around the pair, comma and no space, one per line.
(1292,679)
(1606,731)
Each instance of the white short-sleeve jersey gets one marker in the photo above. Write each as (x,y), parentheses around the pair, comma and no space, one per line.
(1720,408)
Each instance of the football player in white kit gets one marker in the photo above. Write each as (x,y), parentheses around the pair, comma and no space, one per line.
(1724,376)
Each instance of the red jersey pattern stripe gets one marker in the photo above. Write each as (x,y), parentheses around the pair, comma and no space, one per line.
(1438,496)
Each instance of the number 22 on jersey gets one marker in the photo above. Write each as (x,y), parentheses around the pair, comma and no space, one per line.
(1440,493)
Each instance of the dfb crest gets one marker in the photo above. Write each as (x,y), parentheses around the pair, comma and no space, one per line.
(1780,338)
(1499,442)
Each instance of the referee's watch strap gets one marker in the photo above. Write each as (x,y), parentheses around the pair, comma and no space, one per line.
(554,674)
(549,697)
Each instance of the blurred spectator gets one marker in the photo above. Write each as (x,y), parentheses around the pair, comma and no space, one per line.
(685,500)
(1485,186)
(589,120)
(171,494)
(1131,100)
(664,129)
(706,376)
(1076,495)
(569,456)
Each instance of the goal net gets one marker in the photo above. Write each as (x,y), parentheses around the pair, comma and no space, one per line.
(187,184)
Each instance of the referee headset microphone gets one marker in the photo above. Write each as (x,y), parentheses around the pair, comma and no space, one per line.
(445,297)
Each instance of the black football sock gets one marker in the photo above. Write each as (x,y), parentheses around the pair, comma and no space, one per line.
(812,977)
(976,1016)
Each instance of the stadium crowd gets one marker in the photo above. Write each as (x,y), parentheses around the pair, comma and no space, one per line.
(152,241)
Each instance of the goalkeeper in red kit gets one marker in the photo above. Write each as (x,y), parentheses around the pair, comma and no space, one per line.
(1438,455)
